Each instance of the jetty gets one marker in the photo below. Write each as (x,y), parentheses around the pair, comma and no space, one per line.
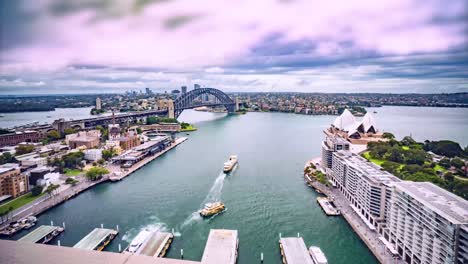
(157,245)
(221,247)
(328,206)
(294,251)
(98,239)
(42,234)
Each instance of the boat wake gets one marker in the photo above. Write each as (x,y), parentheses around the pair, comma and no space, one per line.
(156,225)
(214,195)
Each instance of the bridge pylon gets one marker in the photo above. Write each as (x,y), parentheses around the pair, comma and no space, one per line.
(170,109)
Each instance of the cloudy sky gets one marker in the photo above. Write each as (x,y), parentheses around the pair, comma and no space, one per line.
(90,46)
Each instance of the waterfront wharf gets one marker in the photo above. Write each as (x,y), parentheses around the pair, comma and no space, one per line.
(221,247)
(98,239)
(157,245)
(294,251)
(142,163)
(42,234)
(369,237)
(327,206)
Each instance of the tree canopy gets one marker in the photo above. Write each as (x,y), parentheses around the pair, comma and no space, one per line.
(95,173)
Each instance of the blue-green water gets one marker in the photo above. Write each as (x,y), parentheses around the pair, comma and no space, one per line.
(265,195)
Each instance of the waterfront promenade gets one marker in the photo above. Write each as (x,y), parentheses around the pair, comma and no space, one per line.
(370,238)
(118,174)
(46,202)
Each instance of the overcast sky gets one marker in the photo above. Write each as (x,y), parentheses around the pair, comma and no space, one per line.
(89,46)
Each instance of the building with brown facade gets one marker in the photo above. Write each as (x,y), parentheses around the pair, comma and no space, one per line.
(13,139)
(88,139)
(129,140)
(12,182)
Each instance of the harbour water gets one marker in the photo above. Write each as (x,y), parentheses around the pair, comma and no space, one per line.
(265,194)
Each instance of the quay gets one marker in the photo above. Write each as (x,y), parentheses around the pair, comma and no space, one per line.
(157,245)
(327,206)
(42,234)
(98,239)
(221,247)
(294,251)
(47,202)
(140,164)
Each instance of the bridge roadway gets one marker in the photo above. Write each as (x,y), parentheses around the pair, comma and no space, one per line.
(221,249)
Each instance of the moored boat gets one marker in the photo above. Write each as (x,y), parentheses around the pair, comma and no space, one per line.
(229,165)
(138,241)
(317,255)
(212,209)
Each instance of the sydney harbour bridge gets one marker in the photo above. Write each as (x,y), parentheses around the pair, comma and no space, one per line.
(189,100)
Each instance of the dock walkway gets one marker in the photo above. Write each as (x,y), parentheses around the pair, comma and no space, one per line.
(327,206)
(99,237)
(156,245)
(221,247)
(41,233)
(294,251)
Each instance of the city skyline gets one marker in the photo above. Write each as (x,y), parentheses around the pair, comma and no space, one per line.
(291,46)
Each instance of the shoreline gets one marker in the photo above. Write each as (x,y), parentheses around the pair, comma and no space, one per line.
(358,227)
(47,202)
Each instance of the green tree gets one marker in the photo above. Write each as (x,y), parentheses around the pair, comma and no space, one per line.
(73,160)
(415,156)
(395,154)
(408,141)
(24,149)
(95,173)
(445,162)
(7,158)
(457,163)
(36,190)
(388,135)
(391,167)
(424,177)
(411,169)
(68,131)
(53,135)
(444,147)
(448,176)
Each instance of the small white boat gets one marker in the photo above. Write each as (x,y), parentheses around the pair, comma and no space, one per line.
(317,255)
(138,241)
(229,165)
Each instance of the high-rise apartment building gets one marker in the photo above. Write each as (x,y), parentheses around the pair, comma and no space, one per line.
(98,103)
(365,186)
(329,145)
(428,224)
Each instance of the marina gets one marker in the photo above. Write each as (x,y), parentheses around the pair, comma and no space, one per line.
(42,234)
(98,239)
(157,244)
(221,247)
(328,206)
(294,251)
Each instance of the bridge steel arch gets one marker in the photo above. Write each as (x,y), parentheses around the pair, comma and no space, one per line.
(187,101)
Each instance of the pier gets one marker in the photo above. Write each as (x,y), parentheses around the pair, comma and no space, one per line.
(221,247)
(98,239)
(327,206)
(294,251)
(42,234)
(140,164)
(157,245)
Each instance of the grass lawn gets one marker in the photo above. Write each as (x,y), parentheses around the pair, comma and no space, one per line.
(439,168)
(405,147)
(74,172)
(18,202)
(376,161)
(188,129)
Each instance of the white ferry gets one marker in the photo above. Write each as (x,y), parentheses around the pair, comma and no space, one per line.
(212,208)
(229,165)
(317,255)
(138,241)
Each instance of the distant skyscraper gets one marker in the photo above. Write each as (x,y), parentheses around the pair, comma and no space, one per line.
(148,91)
(184,89)
(98,103)
(196,86)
